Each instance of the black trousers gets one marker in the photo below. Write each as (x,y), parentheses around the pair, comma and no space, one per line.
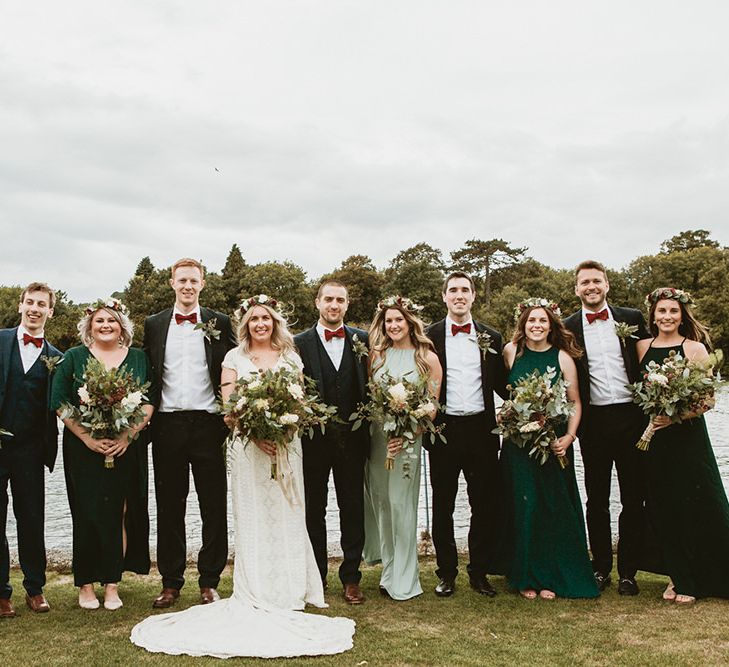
(21,466)
(180,441)
(608,436)
(471,448)
(343,453)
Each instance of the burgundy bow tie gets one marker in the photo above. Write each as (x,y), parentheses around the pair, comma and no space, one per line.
(329,334)
(191,318)
(457,328)
(27,338)
(602,315)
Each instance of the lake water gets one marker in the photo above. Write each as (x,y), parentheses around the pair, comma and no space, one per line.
(58,518)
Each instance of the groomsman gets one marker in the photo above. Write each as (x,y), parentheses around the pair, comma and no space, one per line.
(471,374)
(187,431)
(24,412)
(337,361)
(611,424)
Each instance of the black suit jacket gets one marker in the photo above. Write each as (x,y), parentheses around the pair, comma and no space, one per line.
(155,341)
(493,371)
(8,338)
(630,316)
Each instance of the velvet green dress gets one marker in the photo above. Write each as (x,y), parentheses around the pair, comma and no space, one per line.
(686,503)
(544,543)
(97,494)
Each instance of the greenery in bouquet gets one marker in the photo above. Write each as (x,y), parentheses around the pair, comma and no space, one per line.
(276,405)
(403,409)
(538,405)
(110,403)
(676,388)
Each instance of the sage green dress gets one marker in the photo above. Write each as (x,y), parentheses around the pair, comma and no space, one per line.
(391,500)
(97,494)
(544,543)
(686,503)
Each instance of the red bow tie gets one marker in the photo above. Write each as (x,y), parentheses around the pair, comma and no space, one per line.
(457,328)
(27,338)
(329,334)
(191,318)
(602,315)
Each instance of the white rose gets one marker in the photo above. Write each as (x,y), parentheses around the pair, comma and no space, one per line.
(288,418)
(658,378)
(399,392)
(83,394)
(254,385)
(110,303)
(260,404)
(530,427)
(241,403)
(262,298)
(423,409)
(296,391)
(133,400)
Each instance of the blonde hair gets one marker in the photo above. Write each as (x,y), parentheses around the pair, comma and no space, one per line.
(380,341)
(281,338)
(127,327)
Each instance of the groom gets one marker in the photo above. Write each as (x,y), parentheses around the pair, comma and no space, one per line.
(186,345)
(337,361)
(611,424)
(24,413)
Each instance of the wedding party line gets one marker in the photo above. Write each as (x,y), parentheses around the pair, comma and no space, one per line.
(282,412)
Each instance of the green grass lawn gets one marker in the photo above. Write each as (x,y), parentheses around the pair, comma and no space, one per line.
(466,629)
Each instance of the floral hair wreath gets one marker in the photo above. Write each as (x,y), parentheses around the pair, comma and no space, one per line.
(536,302)
(261,300)
(399,301)
(668,293)
(107,304)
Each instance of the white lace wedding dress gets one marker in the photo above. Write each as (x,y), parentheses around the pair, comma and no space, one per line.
(274,576)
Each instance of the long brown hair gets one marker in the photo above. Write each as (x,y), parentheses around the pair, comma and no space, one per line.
(380,341)
(559,335)
(690,327)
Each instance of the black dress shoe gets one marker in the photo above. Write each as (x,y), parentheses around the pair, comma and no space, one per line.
(445,588)
(483,586)
(602,580)
(627,586)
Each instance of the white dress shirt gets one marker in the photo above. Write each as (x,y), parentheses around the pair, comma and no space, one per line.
(464,391)
(186,381)
(28,353)
(608,377)
(334,347)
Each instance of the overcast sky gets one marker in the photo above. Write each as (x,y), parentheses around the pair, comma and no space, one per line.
(336,127)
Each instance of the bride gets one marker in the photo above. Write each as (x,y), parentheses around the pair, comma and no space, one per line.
(275,574)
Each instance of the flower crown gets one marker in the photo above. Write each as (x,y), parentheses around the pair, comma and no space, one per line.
(107,304)
(668,293)
(399,301)
(536,302)
(261,300)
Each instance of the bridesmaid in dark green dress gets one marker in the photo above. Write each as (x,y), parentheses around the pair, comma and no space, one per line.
(544,547)
(686,502)
(108,505)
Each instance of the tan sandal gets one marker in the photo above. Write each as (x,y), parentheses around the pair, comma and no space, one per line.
(670,593)
(528,594)
(684,599)
(547,594)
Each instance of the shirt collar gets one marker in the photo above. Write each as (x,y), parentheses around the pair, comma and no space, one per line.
(22,330)
(449,325)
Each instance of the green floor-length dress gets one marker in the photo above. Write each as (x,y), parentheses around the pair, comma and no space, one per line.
(544,543)
(97,494)
(391,500)
(687,505)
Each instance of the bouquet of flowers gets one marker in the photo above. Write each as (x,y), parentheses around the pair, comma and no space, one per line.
(110,403)
(537,406)
(275,405)
(676,388)
(403,408)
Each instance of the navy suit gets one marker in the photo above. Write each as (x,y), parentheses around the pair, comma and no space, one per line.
(25,412)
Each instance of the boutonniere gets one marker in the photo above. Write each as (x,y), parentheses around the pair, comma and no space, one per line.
(483,340)
(51,362)
(208,329)
(623,330)
(359,347)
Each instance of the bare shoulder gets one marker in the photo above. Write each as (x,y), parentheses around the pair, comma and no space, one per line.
(509,353)
(641,346)
(566,362)
(695,350)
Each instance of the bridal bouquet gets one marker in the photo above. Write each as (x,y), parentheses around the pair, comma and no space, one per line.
(275,405)
(675,388)
(403,408)
(110,403)
(538,405)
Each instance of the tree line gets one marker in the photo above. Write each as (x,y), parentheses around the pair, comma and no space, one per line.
(504,275)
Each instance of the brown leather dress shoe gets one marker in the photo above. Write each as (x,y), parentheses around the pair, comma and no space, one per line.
(208,595)
(37,603)
(166,598)
(352,594)
(6,608)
